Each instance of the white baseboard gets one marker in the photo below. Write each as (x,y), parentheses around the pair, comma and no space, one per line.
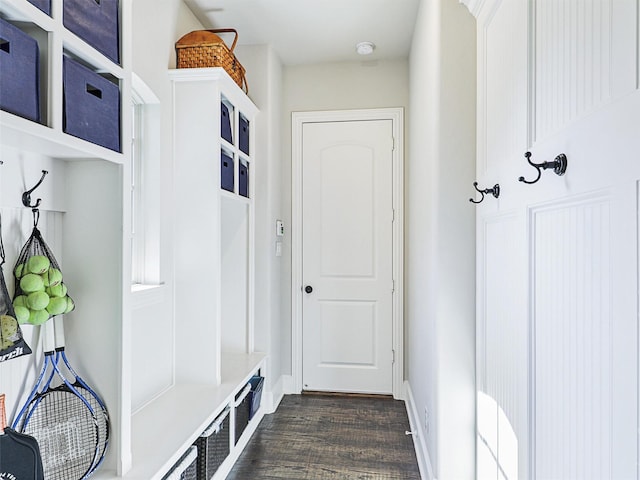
(419,443)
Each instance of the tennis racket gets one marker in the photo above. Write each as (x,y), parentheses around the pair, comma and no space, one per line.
(39,386)
(97,404)
(63,422)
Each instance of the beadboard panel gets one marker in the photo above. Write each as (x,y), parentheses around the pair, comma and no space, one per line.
(580,62)
(502,76)
(502,346)
(572,340)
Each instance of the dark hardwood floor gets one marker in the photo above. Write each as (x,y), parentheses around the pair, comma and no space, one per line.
(324,437)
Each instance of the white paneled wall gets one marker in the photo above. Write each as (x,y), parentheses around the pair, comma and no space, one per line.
(557,284)
(572,355)
(582,59)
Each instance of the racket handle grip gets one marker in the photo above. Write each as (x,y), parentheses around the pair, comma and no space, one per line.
(48,341)
(59,331)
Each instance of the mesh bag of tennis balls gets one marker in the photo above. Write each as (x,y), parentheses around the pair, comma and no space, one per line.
(12,343)
(40,291)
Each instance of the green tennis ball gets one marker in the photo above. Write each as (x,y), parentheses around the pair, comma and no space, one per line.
(59,290)
(22,314)
(57,305)
(38,264)
(19,270)
(52,277)
(70,305)
(20,301)
(31,283)
(38,317)
(37,301)
(8,326)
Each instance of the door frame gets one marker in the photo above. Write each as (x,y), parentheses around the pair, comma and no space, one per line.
(298,119)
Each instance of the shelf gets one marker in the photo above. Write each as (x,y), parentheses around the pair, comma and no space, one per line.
(27,12)
(30,136)
(234,197)
(164,429)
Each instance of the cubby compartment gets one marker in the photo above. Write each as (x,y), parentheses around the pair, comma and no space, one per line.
(227,181)
(44,5)
(95,22)
(20,67)
(214,445)
(91,105)
(243,411)
(226,121)
(243,134)
(243,178)
(186,468)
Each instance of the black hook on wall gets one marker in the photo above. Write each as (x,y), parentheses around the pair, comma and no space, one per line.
(559,165)
(495,191)
(26,196)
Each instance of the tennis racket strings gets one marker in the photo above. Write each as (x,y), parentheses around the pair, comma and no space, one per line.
(63,422)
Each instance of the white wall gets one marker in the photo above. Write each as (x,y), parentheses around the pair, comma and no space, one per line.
(264,76)
(330,86)
(157,25)
(440,236)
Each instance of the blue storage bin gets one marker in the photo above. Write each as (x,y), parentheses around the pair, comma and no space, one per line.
(243,180)
(244,135)
(19,72)
(226,172)
(96,22)
(44,5)
(91,106)
(256,394)
(225,123)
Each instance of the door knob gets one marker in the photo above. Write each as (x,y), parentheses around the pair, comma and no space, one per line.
(308,289)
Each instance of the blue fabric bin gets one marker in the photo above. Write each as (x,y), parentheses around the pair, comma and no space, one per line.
(256,394)
(225,123)
(243,181)
(19,72)
(96,22)
(91,106)
(226,172)
(44,5)
(244,135)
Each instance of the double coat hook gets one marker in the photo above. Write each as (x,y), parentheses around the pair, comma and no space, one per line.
(495,191)
(559,165)
(26,196)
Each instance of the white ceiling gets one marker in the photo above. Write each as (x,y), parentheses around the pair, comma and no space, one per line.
(315,31)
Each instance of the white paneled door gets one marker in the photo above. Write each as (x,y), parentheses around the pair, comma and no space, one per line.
(347,217)
(557,335)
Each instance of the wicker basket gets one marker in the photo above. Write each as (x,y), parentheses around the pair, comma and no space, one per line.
(203,48)
(186,468)
(213,446)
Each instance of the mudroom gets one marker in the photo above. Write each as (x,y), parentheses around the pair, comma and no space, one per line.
(319,239)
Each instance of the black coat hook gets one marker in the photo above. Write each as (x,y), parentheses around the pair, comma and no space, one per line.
(559,165)
(26,196)
(495,191)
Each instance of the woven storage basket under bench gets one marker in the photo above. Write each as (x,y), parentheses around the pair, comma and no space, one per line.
(203,48)
(213,446)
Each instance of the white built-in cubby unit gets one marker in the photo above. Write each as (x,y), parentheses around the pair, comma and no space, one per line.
(86,219)
(214,238)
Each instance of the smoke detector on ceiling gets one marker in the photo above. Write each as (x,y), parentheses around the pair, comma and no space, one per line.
(365,48)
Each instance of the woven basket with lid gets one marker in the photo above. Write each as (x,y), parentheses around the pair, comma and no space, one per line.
(203,48)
